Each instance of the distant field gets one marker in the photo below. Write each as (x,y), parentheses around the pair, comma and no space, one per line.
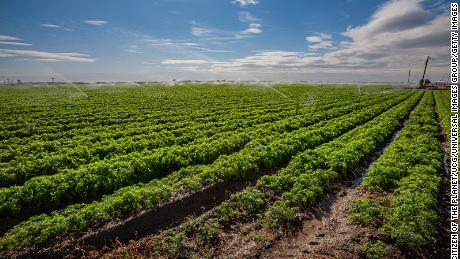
(92,163)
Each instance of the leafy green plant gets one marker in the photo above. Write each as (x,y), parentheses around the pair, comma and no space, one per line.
(375,250)
(280,214)
(365,211)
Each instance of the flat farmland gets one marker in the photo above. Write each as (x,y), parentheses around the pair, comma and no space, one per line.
(222,170)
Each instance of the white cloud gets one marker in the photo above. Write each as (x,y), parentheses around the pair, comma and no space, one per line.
(247,17)
(321,45)
(95,22)
(325,36)
(49,25)
(8,38)
(134,51)
(4,55)
(254,28)
(313,39)
(134,48)
(181,44)
(393,16)
(245,2)
(202,49)
(200,31)
(15,43)
(215,35)
(47,56)
(188,68)
(169,42)
(397,37)
(184,61)
(54,26)
(321,41)
(261,61)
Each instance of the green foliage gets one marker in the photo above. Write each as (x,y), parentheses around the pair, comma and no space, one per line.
(227,212)
(365,211)
(132,179)
(442,99)
(409,168)
(280,214)
(412,218)
(104,176)
(375,250)
(306,177)
(250,201)
(207,232)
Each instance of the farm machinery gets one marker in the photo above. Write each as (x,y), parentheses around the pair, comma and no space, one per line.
(426,83)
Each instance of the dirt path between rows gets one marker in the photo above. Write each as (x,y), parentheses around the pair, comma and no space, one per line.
(330,233)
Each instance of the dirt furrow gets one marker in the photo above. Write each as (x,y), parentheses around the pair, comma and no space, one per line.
(327,231)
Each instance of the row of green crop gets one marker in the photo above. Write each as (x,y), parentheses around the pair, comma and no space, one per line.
(148,105)
(267,152)
(53,142)
(43,162)
(143,124)
(409,169)
(103,177)
(114,121)
(103,107)
(442,100)
(276,199)
(146,119)
(311,172)
(47,163)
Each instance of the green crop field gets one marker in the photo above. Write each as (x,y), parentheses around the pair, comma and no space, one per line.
(92,163)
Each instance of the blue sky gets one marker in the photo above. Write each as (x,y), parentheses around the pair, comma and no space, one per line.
(112,40)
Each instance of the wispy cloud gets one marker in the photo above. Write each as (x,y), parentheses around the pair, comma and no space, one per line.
(95,22)
(134,51)
(272,59)
(8,38)
(49,25)
(320,41)
(398,36)
(254,28)
(15,43)
(202,49)
(134,48)
(54,26)
(184,62)
(179,44)
(245,2)
(47,56)
(212,34)
(247,17)
(217,35)
(169,42)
